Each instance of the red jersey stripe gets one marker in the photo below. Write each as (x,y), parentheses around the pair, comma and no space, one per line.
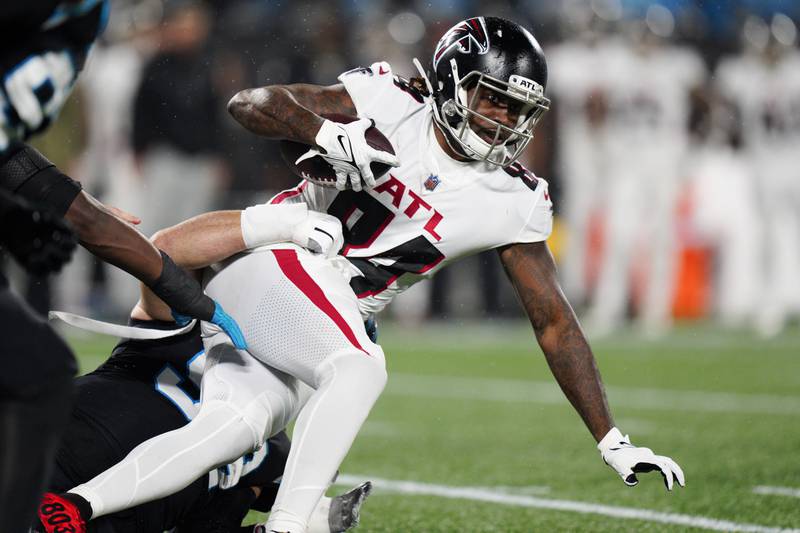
(292,269)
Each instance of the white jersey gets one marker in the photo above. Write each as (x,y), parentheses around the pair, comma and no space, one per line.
(429,211)
(768,97)
(573,78)
(649,96)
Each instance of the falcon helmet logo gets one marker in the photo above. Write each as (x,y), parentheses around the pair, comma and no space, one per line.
(463,36)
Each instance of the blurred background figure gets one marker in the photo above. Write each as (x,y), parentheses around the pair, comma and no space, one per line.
(763,80)
(648,83)
(676,191)
(176,122)
(581,90)
(108,164)
(722,220)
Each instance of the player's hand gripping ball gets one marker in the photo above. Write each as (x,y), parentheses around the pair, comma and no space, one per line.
(350,154)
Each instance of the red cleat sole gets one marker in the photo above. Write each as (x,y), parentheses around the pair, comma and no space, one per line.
(59,515)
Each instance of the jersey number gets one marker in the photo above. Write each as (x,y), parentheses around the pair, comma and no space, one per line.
(183,389)
(363,219)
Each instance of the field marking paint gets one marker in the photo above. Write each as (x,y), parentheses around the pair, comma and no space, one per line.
(544,392)
(491,496)
(777,491)
(480,334)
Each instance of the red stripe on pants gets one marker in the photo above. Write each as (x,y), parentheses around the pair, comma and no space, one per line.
(292,269)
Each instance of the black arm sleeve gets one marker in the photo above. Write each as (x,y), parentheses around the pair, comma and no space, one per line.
(181,291)
(25,172)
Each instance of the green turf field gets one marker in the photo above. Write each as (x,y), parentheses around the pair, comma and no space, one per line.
(471,420)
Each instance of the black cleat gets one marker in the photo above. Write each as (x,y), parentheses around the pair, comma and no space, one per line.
(346,508)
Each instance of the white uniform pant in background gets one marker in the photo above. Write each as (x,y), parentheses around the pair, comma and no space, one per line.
(582,167)
(640,224)
(779,185)
(727,219)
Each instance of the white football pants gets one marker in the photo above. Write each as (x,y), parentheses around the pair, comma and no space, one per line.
(299,316)
(304,320)
(243,402)
(641,207)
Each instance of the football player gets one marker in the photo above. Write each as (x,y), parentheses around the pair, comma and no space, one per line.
(648,81)
(44,46)
(457,189)
(149,387)
(159,380)
(764,83)
(579,91)
(35,385)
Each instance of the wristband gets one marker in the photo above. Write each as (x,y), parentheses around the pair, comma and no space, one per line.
(271,223)
(182,292)
(612,438)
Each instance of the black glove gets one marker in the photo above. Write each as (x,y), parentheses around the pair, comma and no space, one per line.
(39,240)
(223,514)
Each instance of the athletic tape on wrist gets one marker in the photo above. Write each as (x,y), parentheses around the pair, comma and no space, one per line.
(182,292)
(271,223)
(614,436)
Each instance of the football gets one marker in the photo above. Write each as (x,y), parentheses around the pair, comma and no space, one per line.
(317,170)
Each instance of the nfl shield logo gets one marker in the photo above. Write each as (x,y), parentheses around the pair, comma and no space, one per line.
(431,182)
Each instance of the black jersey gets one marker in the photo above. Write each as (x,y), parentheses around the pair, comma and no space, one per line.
(144,389)
(28,28)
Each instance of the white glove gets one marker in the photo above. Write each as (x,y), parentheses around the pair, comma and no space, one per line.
(229,475)
(345,147)
(272,223)
(319,233)
(628,460)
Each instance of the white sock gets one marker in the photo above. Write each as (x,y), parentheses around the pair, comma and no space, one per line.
(349,385)
(319,523)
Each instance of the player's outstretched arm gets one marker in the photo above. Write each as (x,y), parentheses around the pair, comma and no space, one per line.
(213,237)
(294,112)
(532,271)
(291,112)
(117,242)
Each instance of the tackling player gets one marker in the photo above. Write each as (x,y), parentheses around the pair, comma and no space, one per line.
(159,381)
(149,387)
(457,190)
(44,46)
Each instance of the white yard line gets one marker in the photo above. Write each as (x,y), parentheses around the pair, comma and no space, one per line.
(777,491)
(515,390)
(482,334)
(503,498)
